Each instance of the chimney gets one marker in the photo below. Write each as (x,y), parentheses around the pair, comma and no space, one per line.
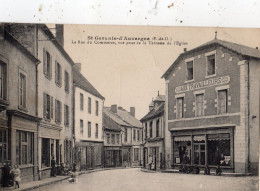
(77,66)
(120,107)
(256,47)
(132,111)
(185,49)
(60,34)
(114,108)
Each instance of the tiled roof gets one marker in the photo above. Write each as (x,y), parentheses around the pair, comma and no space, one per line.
(238,48)
(122,117)
(155,112)
(160,98)
(81,82)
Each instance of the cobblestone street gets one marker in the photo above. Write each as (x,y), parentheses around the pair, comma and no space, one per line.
(134,179)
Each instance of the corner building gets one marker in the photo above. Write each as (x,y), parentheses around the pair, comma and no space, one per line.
(212,107)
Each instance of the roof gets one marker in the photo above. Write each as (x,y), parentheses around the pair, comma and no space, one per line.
(238,48)
(155,112)
(151,104)
(81,82)
(160,98)
(123,117)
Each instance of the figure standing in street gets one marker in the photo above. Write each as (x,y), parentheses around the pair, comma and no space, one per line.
(207,170)
(218,171)
(17,176)
(150,161)
(6,174)
(53,167)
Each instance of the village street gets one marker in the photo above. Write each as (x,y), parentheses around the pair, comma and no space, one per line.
(133,179)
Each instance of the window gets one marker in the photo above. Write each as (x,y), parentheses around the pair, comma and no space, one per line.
(57,111)
(24,147)
(47,106)
(179,113)
(22,91)
(199,105)
(138,135)
(3,145)
(117,139)
(45,152)
(136,154)
(96,108)
(151,129)
(67,81)
(146,131)
(89,105)
(58,73)
(96,134)
(157,128)
(3,79)
(89,129)
(189,70)
(81,101)
(134,134)
(211,66)
(66,115)
(113,139)
(108,138)
(47,64)
(125,134)
(222,101)
(81,127)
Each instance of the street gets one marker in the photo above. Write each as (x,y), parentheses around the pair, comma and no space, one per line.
(134,179)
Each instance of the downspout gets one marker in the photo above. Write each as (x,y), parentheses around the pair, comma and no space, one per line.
(248,114)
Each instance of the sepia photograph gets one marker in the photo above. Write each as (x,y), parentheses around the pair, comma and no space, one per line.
(117,107)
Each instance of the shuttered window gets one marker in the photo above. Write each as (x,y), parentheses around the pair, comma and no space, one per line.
(199,105)
(47,64)
(222,101)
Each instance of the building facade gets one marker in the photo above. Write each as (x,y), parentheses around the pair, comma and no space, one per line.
(54,92)
(153,131)
(88,107)
(212,107)
(18,107)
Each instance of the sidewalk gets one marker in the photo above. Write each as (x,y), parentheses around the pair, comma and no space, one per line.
(52,180)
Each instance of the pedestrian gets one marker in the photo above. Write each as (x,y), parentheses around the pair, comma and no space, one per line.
(150,161)
(53,166)
(207,170)
(6,174)
(196,169)
(17,175)
(218,171)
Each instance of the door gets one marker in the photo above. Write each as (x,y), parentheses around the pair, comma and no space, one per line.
(199,153)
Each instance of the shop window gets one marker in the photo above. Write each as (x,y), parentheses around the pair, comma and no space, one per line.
(22,90)
(96,134)
(219,149)
(134,134)
(3,145)
(58,73)
(3,81)
(47,64)
(151,129)
(47,106)
(24,147)
(125,134)
(189,70)
(66,81)
(45,152)
(57,111)
(222,101)
(66,115)
(89,129)
(108,138)
(113,139)
(81,101)
(199,105)
(136,154)
(182,150)
(89,105)
(97,108)
(117,138)
(179,113)
(211,66)
(81,127)
(157,128)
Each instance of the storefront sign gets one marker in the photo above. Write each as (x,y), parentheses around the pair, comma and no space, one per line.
(202,84)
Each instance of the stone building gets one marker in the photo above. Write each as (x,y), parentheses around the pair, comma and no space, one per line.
(88,133)
(153,131)
(54,92)
(18,107)
(212,107)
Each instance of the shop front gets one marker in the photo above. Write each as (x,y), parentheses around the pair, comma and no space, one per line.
(112,157)
(210,147)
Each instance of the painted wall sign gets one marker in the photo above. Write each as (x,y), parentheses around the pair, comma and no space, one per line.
(202,84)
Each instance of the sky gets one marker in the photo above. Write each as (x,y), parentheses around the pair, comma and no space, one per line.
(130,75)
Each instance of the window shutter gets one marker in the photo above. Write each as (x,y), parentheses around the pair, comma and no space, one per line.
(60,112)
(50,66)
(44,61)
(64,114)
(56,72)
(68,115)
(44,105)
(51,107)
(60,75)
(56,110)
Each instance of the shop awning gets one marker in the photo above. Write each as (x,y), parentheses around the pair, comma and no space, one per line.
(199,138)
(182,138)
(222,136)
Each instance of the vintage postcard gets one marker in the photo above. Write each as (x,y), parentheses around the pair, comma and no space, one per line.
(106,107)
